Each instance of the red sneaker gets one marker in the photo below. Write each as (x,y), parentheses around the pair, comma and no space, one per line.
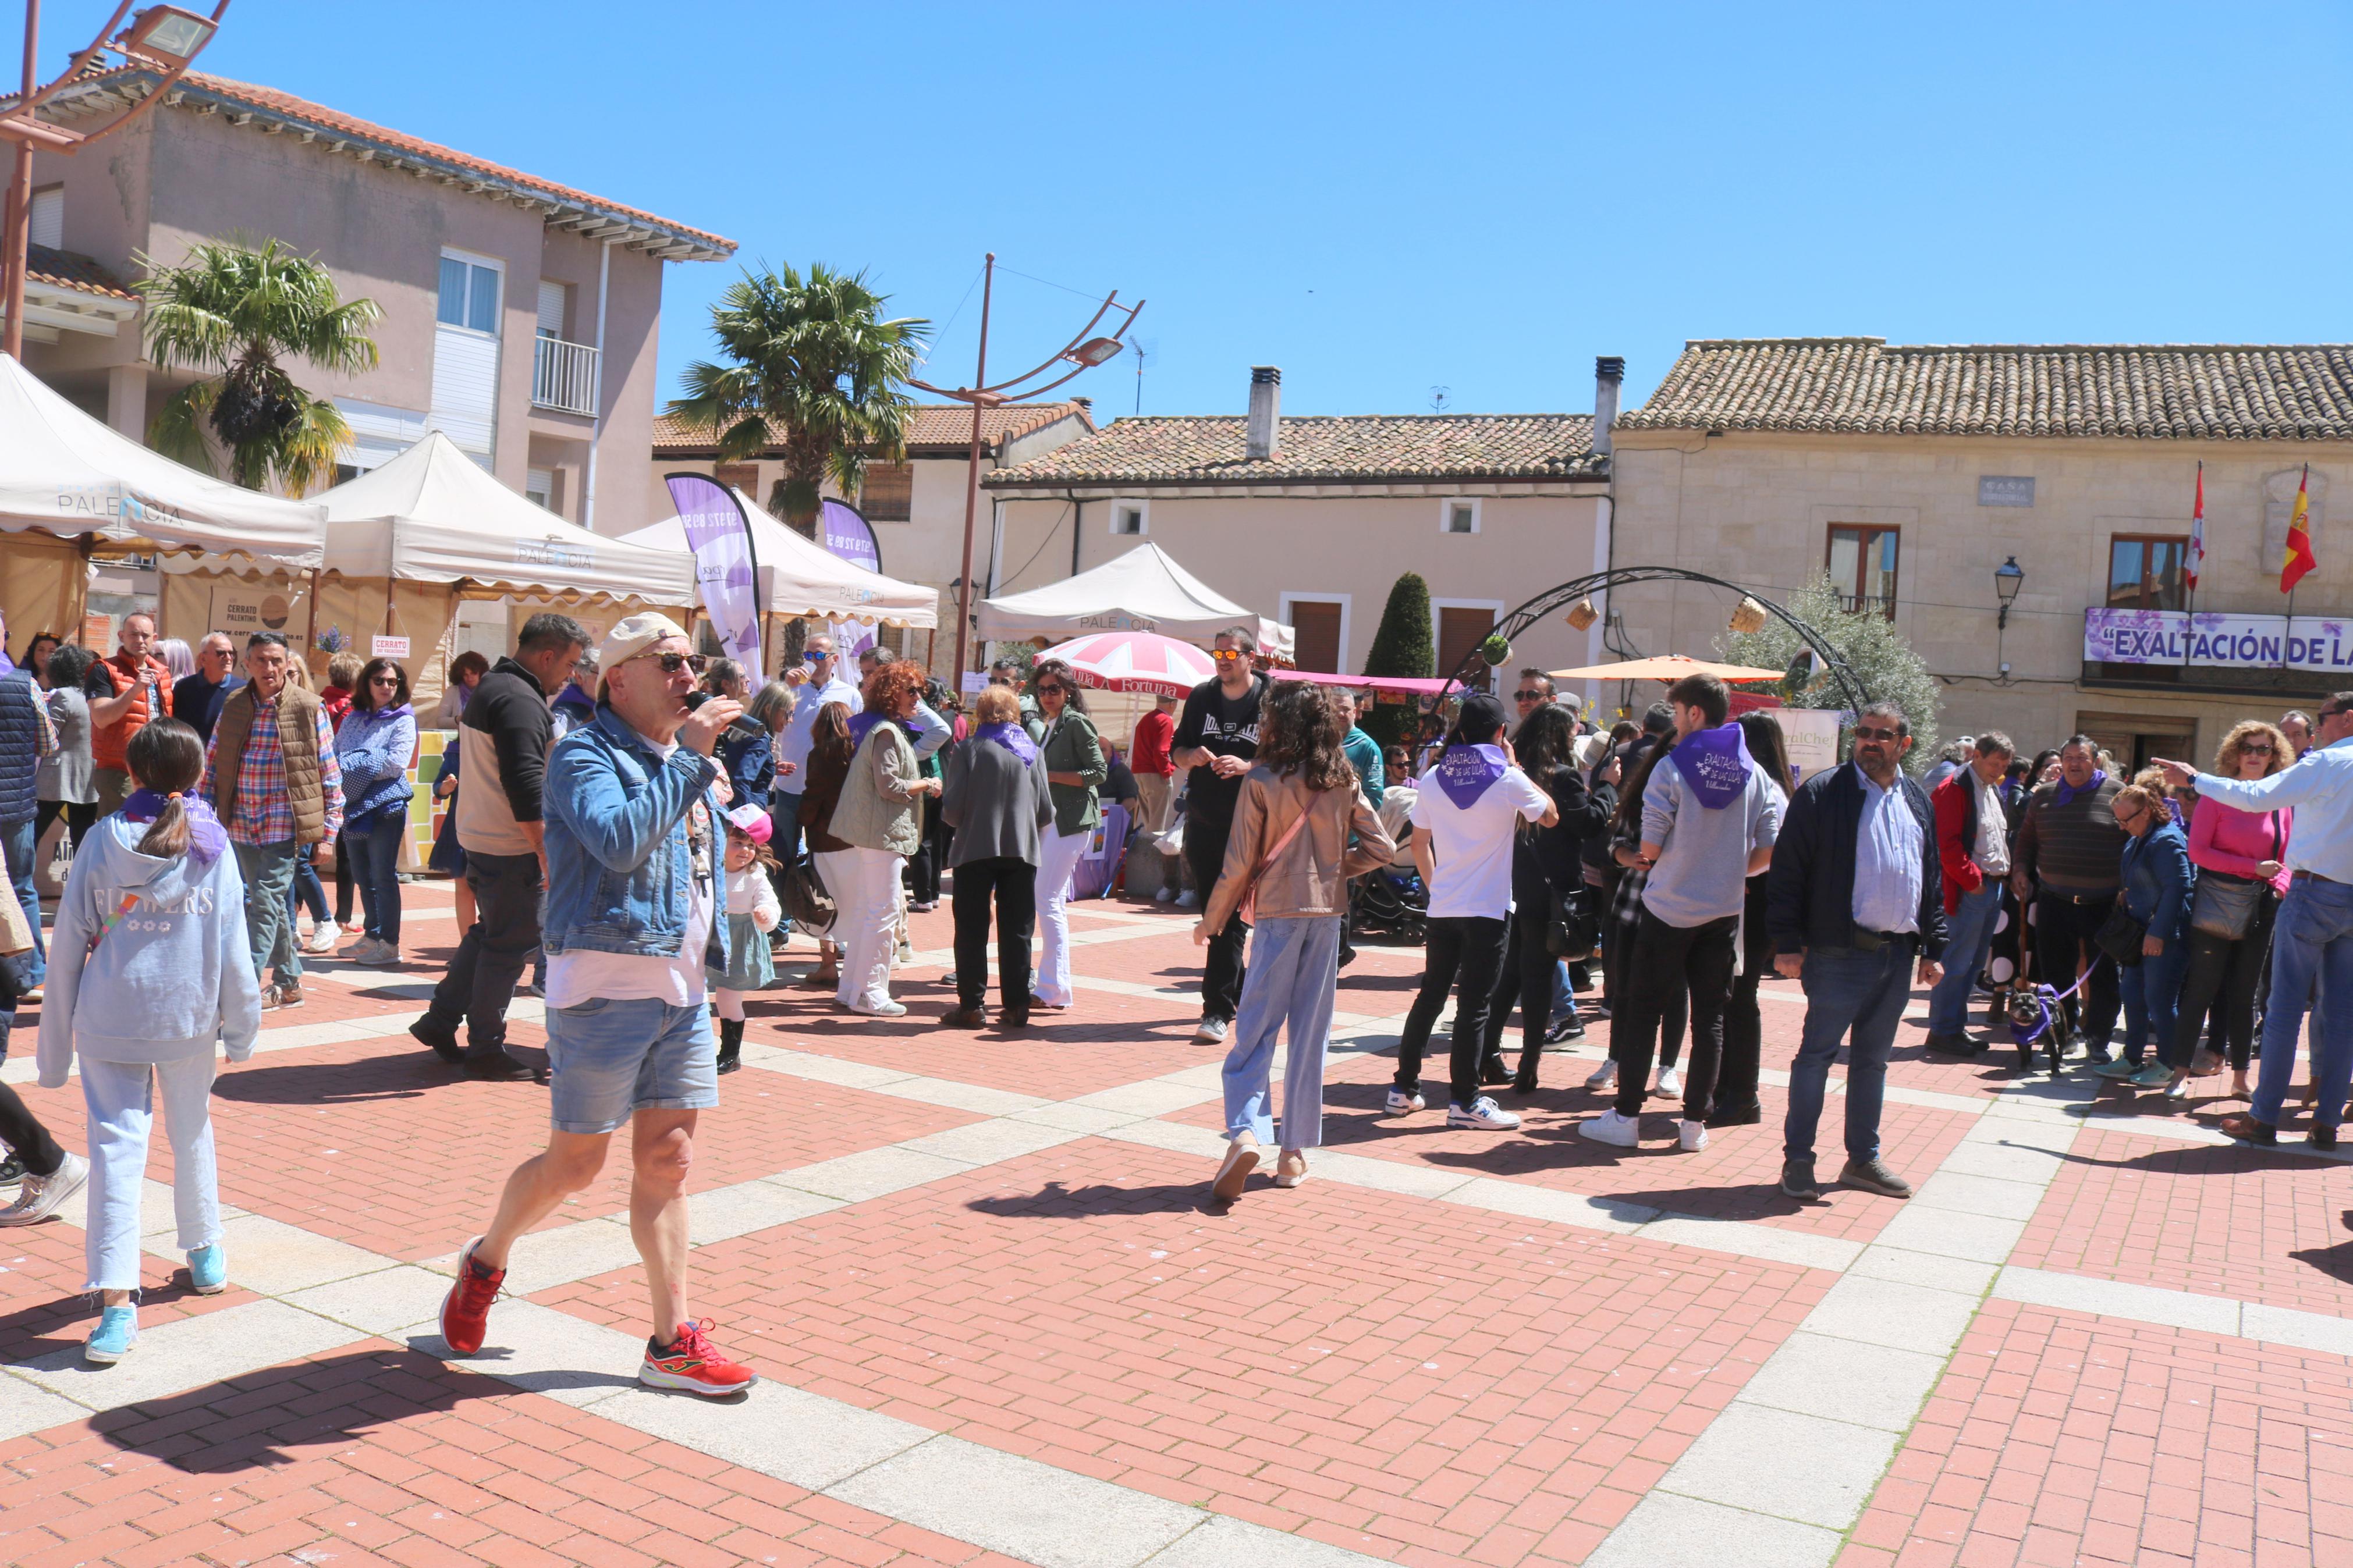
(693,1364)
(466,1310)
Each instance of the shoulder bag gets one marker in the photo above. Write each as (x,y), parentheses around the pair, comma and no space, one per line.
(807,902)
(2120,936)
(2225,904)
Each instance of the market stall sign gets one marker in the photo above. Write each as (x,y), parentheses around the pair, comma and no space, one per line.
(2216,641)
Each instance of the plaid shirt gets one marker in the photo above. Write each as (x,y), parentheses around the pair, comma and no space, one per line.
(263,814)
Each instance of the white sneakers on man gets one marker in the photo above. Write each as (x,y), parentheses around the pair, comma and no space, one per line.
(1692,1137)
(1618,1131)
(1670,1081)
(1484,1114)
(1603,1075)
(322,938)
(1401,1103)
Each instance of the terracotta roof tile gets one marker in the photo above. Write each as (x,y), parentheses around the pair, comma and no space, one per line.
(72,270)
(1201,449)
(2257,391)
(933,425)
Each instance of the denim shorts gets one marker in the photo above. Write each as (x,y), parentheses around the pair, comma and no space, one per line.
(609,1059)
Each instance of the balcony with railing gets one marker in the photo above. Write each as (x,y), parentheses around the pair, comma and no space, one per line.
(563,376)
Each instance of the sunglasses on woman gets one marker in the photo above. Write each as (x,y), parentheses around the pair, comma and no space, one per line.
(1048,688)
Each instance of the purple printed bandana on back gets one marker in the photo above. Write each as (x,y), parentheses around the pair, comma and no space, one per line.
(1714,763)
(1013,738)
(1465,772)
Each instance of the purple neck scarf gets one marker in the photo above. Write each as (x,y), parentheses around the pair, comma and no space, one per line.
(1465,772)
(862,723)
(1714,763)
(2067,792)
(1013,738)
(206,837)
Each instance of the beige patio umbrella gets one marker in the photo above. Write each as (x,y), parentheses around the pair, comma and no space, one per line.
(1671,666)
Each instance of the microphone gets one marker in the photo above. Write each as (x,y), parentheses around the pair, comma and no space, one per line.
(744,728)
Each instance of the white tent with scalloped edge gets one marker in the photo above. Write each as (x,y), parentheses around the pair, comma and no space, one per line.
(1144,590)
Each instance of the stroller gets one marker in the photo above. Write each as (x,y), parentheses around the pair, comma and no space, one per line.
(1391,902)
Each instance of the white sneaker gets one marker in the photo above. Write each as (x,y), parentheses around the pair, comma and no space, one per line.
(1693,1136)
(38,1197)
(1165,894)
(1187,899)
(1603,1075)
(322,938)
(1619,1131)
(1670,1081)
(1484,1113)
(1212,1032)
(883,1009)
(1403,1104)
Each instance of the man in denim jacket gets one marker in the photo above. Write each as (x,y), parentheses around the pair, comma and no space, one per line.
(632,924)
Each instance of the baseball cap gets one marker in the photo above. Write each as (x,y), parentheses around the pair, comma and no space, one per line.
(1482,718)
(632,635)
(752,822)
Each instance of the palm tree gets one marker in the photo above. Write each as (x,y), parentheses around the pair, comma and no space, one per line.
(234,311)
(816,374)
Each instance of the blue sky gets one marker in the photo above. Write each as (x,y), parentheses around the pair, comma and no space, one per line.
(1386,199)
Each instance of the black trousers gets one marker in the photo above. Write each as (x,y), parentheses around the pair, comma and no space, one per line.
(494,951)
(924,865)
(19,1128)
(1014,883)
(1744,1019)
(1617,961)
(2064,930)
(345,886)
(79,815)
(1523,976)
(1222,973)
(1668,959)
(2223,976)
(1471,949)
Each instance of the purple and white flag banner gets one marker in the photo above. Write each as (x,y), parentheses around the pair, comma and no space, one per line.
(725,570)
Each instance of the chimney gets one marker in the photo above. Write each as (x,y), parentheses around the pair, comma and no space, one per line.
(1608,374)
(1087,404)
(1264,438)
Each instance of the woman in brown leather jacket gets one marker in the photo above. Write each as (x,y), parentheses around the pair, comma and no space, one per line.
(1290,853)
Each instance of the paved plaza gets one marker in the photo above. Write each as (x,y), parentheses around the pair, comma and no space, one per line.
(998,1323)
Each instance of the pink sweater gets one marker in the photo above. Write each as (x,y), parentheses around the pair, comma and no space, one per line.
(2224,838)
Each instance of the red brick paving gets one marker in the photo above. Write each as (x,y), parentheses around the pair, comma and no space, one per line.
(1423,1383)
(2056,1438)
(43,1307)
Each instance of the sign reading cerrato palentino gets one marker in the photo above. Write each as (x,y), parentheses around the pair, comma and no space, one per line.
(2216,641)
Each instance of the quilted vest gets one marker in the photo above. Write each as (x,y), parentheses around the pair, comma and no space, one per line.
(298,733)
(106,743)
(19,739)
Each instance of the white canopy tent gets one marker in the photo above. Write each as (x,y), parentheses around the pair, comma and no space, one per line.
(1143,590)
(799,579)
(69,483)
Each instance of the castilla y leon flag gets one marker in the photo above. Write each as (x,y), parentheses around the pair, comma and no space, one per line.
(2299,537)
(2194,559)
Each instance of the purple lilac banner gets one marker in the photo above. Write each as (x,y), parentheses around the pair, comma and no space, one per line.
(725,570)
(2219,640)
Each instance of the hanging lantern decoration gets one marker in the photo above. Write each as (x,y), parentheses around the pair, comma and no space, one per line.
(1582,615)
(1748,616)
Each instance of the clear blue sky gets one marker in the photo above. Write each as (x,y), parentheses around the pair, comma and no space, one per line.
(1382,199)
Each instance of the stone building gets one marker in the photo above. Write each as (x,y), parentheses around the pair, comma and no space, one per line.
(1911,474)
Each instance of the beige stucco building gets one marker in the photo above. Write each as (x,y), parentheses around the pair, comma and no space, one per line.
(520,316)
(1912,473)
(1312,520)
(916,507)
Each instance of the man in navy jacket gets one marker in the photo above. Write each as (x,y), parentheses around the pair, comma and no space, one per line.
(1854,901)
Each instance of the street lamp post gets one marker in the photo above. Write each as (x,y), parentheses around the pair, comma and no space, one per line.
(2008,579)
(1082,351)
(162,36)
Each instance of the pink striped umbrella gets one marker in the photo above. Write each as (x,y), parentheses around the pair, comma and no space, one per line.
(1135,662)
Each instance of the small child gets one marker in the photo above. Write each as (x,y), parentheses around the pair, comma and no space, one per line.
(753,912)
(150,968)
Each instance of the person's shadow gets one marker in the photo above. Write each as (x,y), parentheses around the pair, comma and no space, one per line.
(2336,1261)
(1059,1200)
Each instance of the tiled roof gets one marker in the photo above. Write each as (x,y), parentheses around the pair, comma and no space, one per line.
(281,112)
(934,425)
(1209,450)
(71,269)
(2251,392)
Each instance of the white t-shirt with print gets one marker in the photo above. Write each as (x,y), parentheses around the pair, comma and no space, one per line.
(1473,847)
(580,976)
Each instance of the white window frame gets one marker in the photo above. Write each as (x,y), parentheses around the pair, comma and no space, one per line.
(1143,510)
(1346,606)
(474,258)
(1438,608)
(1446,518)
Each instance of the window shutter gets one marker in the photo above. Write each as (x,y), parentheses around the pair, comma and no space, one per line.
(551,309)
(888,494)
(49,217)
(466,388)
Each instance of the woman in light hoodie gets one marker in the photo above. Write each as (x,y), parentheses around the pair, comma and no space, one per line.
(150,968)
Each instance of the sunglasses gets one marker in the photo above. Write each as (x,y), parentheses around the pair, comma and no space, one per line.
(2256,749)
(1048,688)
(1529,696)
(811,655)
(384,680)
(672,663)
(1874,734)
(1226,654)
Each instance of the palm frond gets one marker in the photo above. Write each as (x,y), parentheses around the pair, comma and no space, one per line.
(178,430)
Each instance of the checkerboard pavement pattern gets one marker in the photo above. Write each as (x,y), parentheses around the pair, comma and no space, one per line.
(1001,1323)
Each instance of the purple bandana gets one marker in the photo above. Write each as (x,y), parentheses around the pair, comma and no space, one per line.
(206,837)
(1013,738)
(2067,792)
(1714,763)
(1465,772)
(862,724)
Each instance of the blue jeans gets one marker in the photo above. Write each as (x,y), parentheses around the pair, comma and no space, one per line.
(22,844)
(1294,963)
(305,891)
(1847,989)
(609,1060)
(2312,940)
(269,872)
(1968,938)
(374,858)
(2152,994)
(1564,999)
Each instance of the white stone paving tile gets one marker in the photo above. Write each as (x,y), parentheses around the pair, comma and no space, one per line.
(725,1213)
(1206,1142)
(1844,1380)
(823,1070)
(383,1302)
(271,1258)
(1901,1316)
(26,1407)
(1772,1243)
(1978,1237)
(1050,1517)
(1778,1462)
(2003,1161)
(1550,1203)
(1383,1176)
(1072,1117)
(1153,1096)
(870,1174)
(972,1097)
(1956,1275)
(803,1439)
(989,1143)
(2303,1331)
(1219,1541)
(547,1351)
(559,1257)
(1988,1195)
(189,1353)
(2114,1298)
(1664,1530)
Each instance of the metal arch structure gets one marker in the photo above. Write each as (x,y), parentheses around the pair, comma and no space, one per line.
(1518,620)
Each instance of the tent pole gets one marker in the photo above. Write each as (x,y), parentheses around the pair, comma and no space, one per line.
(311,621)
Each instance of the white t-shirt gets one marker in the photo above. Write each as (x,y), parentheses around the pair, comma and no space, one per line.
(1473,847)
(582,977)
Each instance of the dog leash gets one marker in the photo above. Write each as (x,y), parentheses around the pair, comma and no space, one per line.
(2047,1001)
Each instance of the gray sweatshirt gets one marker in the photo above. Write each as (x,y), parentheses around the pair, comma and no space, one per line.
(1702,869)
(174,971)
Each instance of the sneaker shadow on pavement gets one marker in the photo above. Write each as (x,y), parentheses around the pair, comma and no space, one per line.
(547,1379)
(408,1073)
(1057,1200)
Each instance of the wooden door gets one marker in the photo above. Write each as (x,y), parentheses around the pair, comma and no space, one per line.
(1315,624)
(1459,632)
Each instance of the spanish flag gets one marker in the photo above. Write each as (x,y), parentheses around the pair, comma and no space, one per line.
(2299,539)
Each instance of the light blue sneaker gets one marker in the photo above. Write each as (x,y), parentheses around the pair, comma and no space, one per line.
(117,1331)
(208,1269)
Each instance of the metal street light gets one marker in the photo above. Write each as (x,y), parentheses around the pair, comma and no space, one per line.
(1081,352)
(2008,579)
(161,38)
